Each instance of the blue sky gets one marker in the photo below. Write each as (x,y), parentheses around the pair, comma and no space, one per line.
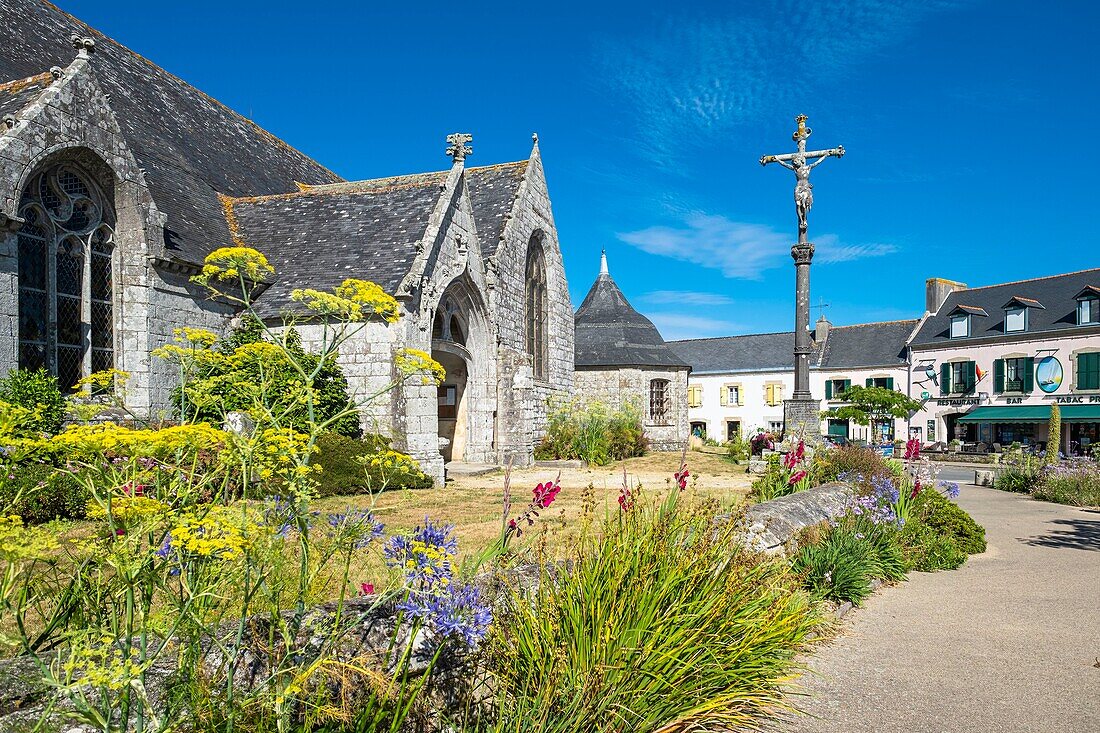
(969,126)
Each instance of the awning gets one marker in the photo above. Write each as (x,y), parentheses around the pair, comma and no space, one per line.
(1031,413)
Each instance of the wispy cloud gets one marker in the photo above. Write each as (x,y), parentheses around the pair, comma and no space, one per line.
(675,326)
(740,250)
(694,80)
(685,297)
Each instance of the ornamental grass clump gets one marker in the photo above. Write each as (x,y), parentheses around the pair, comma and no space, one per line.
(663,622)
(591,431)
(1075,482)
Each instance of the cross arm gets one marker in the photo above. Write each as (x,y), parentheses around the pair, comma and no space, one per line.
(837,152)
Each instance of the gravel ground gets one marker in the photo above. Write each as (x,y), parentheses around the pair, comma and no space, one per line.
(1008,643)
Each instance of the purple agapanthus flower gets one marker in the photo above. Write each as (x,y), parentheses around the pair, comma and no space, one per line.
(361,525)
(950,489)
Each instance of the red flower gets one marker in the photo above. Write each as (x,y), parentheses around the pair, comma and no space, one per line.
(366,589)
(916,489)
(626,500)
(796,477)
(120,532)
(682,476)
(545,494)
(132,489)
(912,449)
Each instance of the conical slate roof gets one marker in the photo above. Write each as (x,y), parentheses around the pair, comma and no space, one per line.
(610,333)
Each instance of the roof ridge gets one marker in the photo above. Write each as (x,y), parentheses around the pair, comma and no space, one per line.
(17,85)
(1030,280)
(480,168)
(277,140)
(875,323)
(356,188)
(737,336)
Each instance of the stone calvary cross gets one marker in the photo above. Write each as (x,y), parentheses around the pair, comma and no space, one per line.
(802,411)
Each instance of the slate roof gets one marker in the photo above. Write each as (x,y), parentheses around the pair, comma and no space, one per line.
(847,347)
(15,95)
(866,345)
(610,333)
(321,235)
(1057,293)
(757,352)
(493,189)
(191,146)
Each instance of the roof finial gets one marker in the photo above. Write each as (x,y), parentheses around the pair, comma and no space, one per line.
(603,262)
(457,148)
(535,138)
(85,46)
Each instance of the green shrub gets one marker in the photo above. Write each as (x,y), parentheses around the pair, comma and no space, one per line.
(342,473)
(851,462)
(1075,482)
(662,618)
(839,568)
(1018,478)
(738,450)
(948,519)
(38,392)
(39,492)
(592,432)
(927,550)
(229,383)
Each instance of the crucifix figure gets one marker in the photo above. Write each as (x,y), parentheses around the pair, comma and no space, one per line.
(802,162)
(801,412)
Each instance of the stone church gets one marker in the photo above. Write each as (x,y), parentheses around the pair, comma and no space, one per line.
(117,178)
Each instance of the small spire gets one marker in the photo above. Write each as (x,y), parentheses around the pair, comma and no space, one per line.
(603,262)
(457,147)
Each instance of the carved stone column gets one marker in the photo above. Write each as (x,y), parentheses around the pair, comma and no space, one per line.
(801,412)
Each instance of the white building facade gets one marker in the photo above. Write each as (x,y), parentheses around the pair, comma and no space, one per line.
(989,362)
(738,383)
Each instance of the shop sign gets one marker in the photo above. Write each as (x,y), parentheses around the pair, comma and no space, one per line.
(1048,374)
(958,401)
(1014,401)
(1077,399)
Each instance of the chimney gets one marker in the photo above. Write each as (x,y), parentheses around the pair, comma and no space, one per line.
(821,329)
(936,290)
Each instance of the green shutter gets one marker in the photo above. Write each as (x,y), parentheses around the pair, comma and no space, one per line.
(828,389)
(1029,373)
(971,376)
(889,383)
(945,378)
(1088,371)
(998,375)
(847,384)
(870,382)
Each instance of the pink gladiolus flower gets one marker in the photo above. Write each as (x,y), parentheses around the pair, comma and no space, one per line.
(796,477)
(682,476)
(366,589)
(545,494)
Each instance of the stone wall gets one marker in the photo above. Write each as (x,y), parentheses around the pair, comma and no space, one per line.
(630,385)
(773,526)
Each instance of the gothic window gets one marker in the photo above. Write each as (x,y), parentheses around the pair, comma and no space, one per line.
(536,309)
(658,401)
(66,321)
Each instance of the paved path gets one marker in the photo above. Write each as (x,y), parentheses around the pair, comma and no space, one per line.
(1005,644)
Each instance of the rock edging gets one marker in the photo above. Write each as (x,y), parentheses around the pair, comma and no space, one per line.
(772,527)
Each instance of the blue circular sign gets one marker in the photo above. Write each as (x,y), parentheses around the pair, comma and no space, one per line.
(1048,374)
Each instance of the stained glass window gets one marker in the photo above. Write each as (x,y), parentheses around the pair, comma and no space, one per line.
(66,312)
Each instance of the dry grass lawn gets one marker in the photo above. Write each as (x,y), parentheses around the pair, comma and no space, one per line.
(474,503)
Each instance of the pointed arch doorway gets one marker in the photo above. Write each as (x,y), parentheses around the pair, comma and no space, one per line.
(461,343)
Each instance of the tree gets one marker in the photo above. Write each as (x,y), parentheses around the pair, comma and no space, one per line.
(1054,434)
(872,403)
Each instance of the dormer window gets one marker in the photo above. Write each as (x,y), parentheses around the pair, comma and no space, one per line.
(961,319)
(1015,319)
(1088,306)
(960,326)
(1016,313)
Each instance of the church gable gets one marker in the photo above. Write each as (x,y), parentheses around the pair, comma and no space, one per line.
(190,146)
